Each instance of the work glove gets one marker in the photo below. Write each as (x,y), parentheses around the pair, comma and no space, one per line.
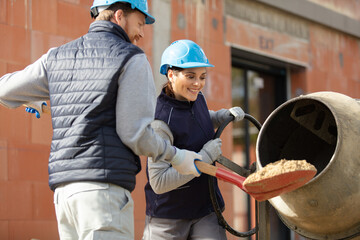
(35,107)
(211,151)
(184,162)
(238,113)
(223,114)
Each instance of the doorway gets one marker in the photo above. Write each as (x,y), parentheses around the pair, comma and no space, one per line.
(259,86)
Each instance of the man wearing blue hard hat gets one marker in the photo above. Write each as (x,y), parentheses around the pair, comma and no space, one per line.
(102,96)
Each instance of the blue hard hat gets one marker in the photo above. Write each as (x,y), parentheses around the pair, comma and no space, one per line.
(183,54)
(140,5)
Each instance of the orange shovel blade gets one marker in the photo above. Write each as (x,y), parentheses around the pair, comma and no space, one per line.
(279,181)
(262,196)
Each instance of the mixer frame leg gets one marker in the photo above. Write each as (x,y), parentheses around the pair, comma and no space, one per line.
(264,221)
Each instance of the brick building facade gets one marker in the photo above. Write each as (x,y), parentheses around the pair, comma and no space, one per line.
(264,51)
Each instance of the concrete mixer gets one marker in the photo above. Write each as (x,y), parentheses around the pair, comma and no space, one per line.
(324,129)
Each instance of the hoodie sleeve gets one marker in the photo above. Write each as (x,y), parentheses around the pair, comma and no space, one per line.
(218,117)
(135,110)
(164,178)
(27,85)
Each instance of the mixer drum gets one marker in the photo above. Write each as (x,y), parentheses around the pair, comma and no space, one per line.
(324,129)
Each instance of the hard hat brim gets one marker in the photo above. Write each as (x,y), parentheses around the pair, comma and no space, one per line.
(194,65)
(164,68)
(149,20)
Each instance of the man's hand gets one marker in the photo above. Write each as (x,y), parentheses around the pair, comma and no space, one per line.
(35,107)
(184,162)
(211,150)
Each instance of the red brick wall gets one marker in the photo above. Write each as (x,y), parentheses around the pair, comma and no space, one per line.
(334,62)
(28,28)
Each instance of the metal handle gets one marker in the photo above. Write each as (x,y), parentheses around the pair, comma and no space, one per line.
(214,201)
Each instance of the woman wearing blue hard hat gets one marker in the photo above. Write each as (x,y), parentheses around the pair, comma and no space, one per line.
(179,206)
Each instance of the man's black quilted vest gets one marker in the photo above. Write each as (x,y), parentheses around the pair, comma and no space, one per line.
(83,83)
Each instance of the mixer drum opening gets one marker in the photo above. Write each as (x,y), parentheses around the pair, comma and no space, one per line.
(322,128)
(301,130)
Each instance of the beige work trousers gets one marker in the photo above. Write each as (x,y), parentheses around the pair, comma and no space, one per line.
(94,211)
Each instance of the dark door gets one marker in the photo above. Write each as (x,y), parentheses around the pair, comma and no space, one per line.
(258,88)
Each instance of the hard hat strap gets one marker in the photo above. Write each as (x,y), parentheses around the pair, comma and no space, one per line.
(94,12)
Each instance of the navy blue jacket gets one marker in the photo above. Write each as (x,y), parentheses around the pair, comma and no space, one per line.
(191,127)
(83,82)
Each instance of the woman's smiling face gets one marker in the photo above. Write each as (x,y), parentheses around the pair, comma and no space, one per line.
(187,83)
